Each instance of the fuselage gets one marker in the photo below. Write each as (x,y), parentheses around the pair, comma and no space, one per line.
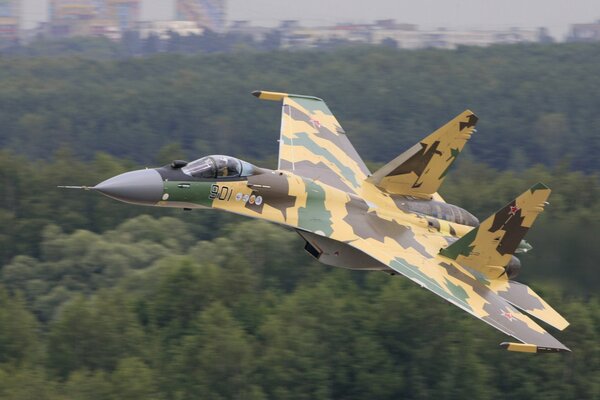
(282,197)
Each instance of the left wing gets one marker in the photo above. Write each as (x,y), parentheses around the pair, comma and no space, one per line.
(313,143)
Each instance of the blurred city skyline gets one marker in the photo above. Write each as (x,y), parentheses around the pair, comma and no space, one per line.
(556,15)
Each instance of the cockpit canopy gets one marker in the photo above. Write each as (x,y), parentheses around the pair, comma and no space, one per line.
(218,166)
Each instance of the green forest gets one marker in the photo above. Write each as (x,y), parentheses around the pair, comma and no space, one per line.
(103,300)
(536,103)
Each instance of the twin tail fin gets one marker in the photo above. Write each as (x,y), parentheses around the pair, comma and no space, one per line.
(488,248)
(420,171)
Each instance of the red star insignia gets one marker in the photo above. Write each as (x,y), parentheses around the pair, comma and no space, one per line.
(315,123)
(513,210)
(508,315)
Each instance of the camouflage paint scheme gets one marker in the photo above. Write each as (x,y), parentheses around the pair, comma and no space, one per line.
(354,219)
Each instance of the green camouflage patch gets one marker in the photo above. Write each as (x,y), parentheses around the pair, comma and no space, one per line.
(189,192)
(315,217)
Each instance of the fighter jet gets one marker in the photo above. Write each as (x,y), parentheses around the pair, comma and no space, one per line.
(392,220)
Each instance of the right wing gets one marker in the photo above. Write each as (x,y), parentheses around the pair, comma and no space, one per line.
(463,289)
(488,248)
(313,143)
(412,251)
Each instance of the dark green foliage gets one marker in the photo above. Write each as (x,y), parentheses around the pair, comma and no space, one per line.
(18,329)
(93,334)
(220,320)
(101,301)
(535,102)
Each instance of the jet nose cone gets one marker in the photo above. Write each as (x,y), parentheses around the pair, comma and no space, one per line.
(144,186)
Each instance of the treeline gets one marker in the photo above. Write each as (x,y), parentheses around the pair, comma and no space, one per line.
(132,44)
(536,102)
(145,311)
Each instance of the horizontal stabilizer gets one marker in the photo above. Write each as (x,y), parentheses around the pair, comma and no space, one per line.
(489,247)
(420,170)
(530,348)
(523,297)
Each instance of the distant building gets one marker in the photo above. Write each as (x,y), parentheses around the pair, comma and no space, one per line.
(108,18)
(405,36)
(208,14)
(257,33)
(125,13)
(163,29)
(447,39)
(10,16)
(71,17)
(585,32)
(296,36)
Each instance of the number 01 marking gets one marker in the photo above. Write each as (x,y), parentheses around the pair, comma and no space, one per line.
(220,192)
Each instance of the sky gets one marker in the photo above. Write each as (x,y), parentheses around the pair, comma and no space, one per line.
(557,15)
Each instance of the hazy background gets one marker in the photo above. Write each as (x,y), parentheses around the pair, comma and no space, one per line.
(556,15)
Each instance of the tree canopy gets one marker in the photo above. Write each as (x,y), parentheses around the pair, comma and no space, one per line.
(534,102)
(222,321)
(103,300)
